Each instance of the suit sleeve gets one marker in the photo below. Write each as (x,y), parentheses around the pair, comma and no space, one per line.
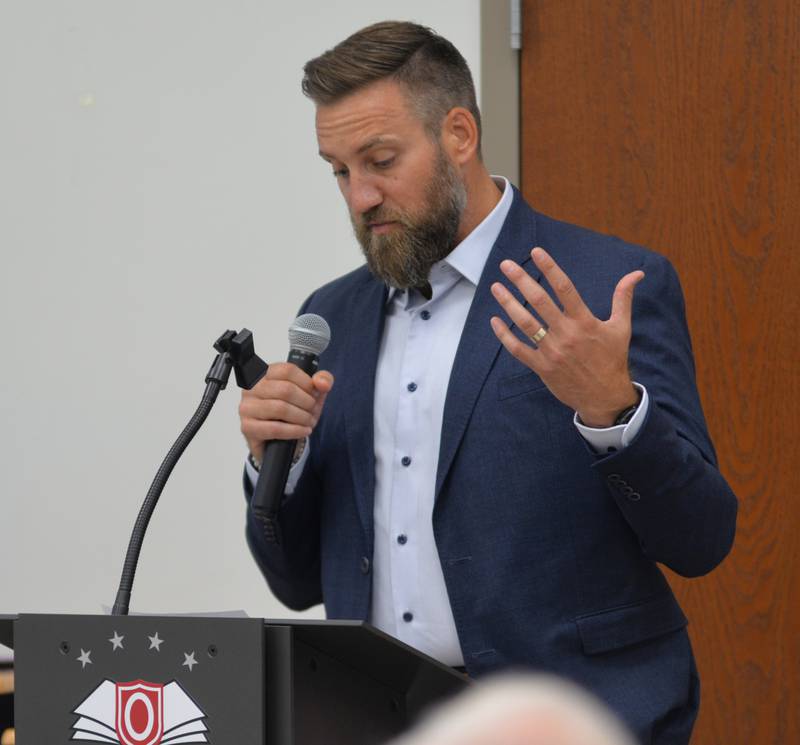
(292,566)
(666,481)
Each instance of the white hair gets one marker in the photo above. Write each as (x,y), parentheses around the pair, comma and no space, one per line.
(520,710)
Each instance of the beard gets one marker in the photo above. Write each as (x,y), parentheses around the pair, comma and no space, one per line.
(403,257)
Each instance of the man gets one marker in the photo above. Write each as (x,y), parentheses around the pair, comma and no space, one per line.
(497,470)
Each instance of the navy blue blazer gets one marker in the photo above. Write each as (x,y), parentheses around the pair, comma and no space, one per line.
(549,551)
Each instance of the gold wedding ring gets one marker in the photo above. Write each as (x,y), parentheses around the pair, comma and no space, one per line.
(539,335)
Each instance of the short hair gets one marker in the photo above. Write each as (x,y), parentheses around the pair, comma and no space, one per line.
(434,72)
(520,710)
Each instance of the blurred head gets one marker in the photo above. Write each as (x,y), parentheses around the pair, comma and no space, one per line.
(397,120)
(520,710)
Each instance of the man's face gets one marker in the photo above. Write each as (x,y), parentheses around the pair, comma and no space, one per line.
(404,195)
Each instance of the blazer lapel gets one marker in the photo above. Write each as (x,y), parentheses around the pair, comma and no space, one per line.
(368,311)
(479,347)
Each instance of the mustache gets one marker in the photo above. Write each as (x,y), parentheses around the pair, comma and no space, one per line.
(381,214)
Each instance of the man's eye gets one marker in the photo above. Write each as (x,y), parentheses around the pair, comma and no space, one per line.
(384,163)
(339,172)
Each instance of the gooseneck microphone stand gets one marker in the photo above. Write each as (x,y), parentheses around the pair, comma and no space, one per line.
(235,352)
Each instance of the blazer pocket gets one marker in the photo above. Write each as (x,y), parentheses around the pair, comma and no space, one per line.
(630,624)
(516,385)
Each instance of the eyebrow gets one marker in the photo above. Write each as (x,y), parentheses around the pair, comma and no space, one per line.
(369,144)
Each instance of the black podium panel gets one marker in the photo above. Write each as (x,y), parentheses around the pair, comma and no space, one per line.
(346,683)
(86,678)
(344,705)
(418,679)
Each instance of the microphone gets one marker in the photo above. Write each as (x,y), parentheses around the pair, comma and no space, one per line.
(309,336)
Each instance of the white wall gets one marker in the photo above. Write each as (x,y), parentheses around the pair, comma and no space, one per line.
(159,183)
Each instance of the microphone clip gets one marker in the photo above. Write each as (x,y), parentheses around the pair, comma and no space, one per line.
(237,352)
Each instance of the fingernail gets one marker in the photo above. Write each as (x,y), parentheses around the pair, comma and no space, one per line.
(508,267)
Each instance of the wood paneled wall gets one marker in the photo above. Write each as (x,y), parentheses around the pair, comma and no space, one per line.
(676,124)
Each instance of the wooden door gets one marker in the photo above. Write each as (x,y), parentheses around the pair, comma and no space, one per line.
(676,124)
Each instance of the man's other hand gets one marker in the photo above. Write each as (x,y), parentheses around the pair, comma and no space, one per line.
(581,359)
(284,405)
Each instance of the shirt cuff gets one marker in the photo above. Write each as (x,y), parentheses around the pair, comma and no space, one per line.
(251,472)
(608,439)
(294,472)
(297,470)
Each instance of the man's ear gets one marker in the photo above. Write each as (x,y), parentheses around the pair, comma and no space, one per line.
(460,135)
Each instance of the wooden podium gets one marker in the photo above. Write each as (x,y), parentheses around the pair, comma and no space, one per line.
(153,680)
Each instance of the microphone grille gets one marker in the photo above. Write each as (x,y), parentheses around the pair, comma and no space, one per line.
(309,333)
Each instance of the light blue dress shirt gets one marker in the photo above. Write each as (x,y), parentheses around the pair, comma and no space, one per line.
(418,346)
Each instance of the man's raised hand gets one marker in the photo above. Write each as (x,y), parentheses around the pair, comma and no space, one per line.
(581,359)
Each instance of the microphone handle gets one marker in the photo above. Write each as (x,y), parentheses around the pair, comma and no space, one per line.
(278,454)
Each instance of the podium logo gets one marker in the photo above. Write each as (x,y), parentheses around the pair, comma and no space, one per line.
(139,713)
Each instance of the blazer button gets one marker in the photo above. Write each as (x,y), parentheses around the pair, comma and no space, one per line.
(364,565)
(614,478)
(634,496)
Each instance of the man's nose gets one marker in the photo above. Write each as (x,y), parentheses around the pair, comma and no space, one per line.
(364,195)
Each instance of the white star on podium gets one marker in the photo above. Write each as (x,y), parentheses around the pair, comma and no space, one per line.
(155,642)
(189,661)
(84,658)
(116,641)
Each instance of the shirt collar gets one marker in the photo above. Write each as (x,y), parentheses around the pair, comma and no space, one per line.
(469,257)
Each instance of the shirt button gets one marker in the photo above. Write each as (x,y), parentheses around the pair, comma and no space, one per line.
(412,387)
(364,565)
(402,539)
(425,315)
(406,461)
(408,617)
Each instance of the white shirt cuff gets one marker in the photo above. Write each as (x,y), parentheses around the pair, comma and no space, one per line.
(294,472)
(608,439)
(297,469)
(251,472)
